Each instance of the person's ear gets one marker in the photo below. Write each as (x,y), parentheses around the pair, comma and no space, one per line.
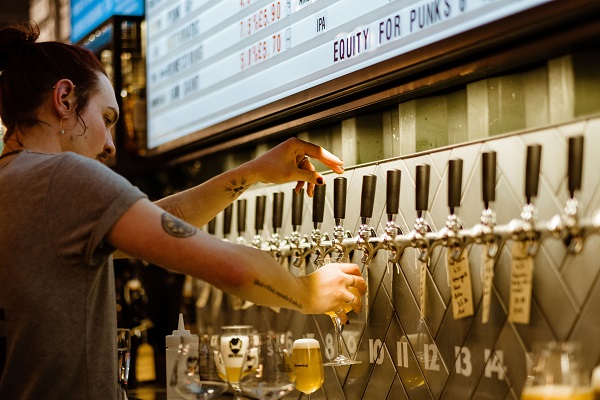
(64,97)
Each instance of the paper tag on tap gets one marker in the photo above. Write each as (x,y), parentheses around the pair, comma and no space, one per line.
(460,285)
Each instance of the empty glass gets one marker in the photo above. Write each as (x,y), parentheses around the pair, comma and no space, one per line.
(557,374)
(267,371)
(199,372)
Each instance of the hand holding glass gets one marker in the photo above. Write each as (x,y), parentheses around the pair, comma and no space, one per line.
(339,358)
(308,365)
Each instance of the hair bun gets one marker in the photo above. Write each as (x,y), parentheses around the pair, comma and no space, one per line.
(13,38)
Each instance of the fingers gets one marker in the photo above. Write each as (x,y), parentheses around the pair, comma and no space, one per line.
(321,154)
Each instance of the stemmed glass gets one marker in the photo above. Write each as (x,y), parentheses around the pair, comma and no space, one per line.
(199,373)
(233,343)
(123,358)
(267,372)
(308,365)
(339,358)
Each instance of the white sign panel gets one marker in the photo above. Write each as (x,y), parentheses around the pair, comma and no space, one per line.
(209,61)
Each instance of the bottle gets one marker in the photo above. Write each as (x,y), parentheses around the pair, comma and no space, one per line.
(173,342)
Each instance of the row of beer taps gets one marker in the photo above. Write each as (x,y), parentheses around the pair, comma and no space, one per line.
(566,226)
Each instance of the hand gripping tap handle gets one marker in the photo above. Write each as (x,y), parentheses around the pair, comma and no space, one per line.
(227,217)
(455,171)
(277,211)
(392,193)
(318,205)
(369,184)
(241,215)
(575,164)
(532,171)
(259,218)
(488,178)
(297,206)
(422,189)
(339,199)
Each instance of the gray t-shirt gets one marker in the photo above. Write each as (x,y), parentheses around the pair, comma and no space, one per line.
(57,293)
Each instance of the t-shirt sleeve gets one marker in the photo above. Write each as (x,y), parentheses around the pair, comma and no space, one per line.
(85,199)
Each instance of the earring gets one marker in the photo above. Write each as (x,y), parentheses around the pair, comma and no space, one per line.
(62,129)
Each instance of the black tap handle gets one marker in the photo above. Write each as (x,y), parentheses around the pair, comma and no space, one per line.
(259,220)
(532,171)
(575,163)
(369,184)
(488,177)
(319,203)
(455,172)
(227,217)
(241,215)
(339,197)
(212,226)
(277,210)
(297,206)
(422,188)
(392,192)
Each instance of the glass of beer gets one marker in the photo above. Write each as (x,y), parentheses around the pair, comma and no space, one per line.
(234,341)
(557,373)
(308,365)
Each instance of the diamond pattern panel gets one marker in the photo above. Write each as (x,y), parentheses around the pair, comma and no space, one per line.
(439,357)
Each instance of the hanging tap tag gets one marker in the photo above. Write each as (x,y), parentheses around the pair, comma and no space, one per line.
(487,274)
(521,278)
(460,285)
(422,286)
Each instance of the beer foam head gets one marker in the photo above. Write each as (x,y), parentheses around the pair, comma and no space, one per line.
(306,343)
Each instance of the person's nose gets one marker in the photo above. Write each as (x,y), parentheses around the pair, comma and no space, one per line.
(109,146)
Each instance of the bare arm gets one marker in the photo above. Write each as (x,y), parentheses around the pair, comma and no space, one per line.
(147,232)
(200,204)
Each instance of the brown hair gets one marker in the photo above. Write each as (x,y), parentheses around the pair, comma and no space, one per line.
(28,70)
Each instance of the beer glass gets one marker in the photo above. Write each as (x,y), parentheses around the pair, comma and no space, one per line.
(308,365)
(339,358)
(233,342)
(557,374)
(267,372)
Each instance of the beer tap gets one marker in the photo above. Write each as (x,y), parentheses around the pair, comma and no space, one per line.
(449,235)
(483,233)
(523,229)
(566,226)
(417,236)
(241,220)
(295,238)
(212,226)
(365,232)
(316,236)
(259,221)
(339,213)
(392,207)
(227,217)
(275,240)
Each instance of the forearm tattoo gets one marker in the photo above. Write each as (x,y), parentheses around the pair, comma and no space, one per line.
(278,293)
(236,187)
(176,227)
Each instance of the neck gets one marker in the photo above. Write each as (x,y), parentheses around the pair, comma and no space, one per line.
(33,140)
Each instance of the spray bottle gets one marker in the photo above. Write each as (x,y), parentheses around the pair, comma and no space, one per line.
(173,342)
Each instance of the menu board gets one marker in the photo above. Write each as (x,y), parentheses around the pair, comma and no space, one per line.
(212,60)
